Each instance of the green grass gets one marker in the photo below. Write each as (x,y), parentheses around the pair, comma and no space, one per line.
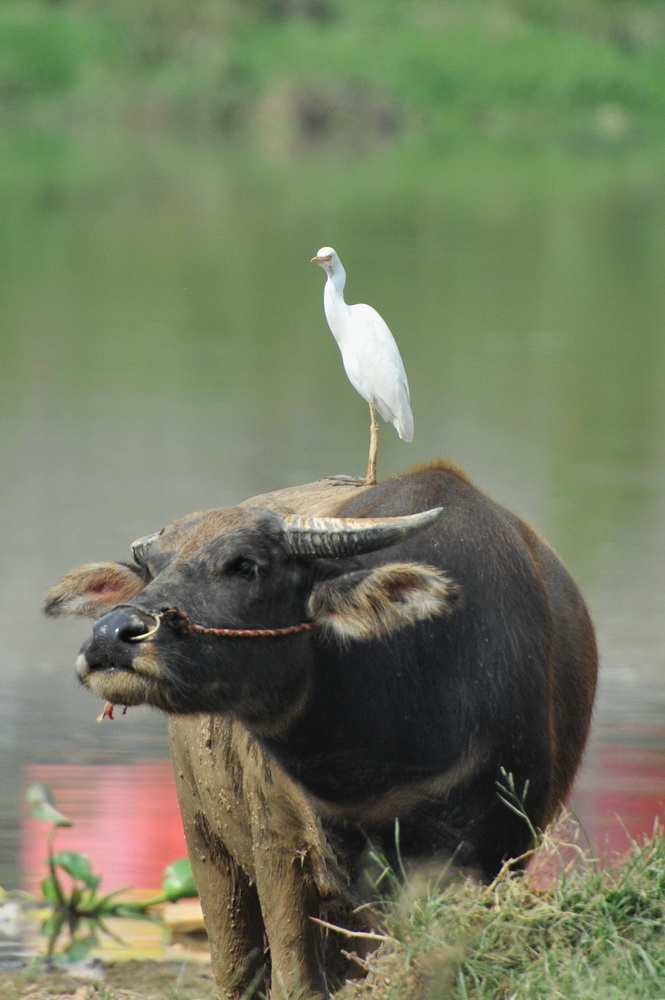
(591,932)
(298,72)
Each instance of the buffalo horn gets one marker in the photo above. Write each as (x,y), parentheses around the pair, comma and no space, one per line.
(350,536)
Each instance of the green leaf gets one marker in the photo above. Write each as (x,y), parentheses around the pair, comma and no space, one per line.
(77,865)
(51,890)
(106,904)
(178,880)
(37,792)
(79,948)
(52,926)
(43,806)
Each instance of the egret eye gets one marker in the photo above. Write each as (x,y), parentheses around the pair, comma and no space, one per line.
(243,566)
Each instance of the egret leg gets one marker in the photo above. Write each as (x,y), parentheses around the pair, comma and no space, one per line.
(373,445)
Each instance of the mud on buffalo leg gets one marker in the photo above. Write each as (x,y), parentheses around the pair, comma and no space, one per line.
(234,924)
(295,959)
(231,910)
(228,896)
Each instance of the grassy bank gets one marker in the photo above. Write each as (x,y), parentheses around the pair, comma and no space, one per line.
(570,928)
(298,72)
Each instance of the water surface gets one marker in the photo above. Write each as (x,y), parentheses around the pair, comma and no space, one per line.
(164,350)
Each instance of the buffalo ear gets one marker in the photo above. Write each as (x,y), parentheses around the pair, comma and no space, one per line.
(367,604)
(93,589)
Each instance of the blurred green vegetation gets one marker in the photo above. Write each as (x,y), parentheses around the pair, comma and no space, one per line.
(70,889)
(289,73)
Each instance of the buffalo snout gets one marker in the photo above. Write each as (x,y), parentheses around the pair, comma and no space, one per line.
(114,638)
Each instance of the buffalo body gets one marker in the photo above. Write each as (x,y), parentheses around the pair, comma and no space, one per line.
(435,670)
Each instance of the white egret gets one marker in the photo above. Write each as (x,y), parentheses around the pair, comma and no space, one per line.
(370,355)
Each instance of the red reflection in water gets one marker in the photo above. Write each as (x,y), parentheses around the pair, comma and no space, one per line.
(126,820)
(621,792)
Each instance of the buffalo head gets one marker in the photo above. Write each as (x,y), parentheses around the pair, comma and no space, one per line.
(254,571)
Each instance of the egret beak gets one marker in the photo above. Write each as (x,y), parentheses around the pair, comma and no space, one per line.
(321,260)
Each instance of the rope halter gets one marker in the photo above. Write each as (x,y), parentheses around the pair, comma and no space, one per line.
(181,622)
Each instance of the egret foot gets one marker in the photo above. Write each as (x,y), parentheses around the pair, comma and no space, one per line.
(342,480)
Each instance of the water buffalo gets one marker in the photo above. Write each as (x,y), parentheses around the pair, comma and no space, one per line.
(334,659)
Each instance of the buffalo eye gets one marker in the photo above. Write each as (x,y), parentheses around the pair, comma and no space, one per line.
(243,566)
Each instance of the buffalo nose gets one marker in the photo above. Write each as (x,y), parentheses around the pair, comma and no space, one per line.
(118,626)
(112,642)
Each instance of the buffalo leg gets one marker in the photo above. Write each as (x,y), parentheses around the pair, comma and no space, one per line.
(233,920)
(289,897)
(213,814)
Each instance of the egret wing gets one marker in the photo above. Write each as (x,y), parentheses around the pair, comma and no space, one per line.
(375,369)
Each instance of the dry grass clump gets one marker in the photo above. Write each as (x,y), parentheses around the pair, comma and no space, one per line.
(568,928)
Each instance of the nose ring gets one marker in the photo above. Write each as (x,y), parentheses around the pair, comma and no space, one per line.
(147,635)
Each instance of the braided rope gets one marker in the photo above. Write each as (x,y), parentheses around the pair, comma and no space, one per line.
(179,620)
